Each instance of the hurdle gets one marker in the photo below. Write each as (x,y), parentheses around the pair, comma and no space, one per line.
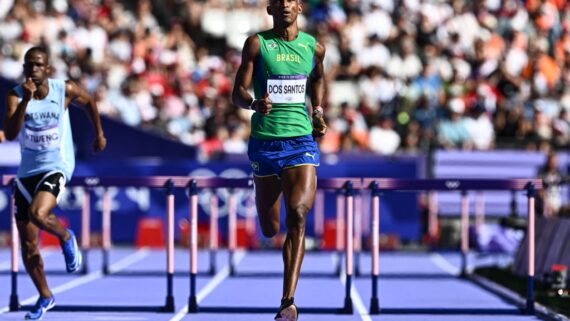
(376,185)
(346,185)
(89,182)
(14,301)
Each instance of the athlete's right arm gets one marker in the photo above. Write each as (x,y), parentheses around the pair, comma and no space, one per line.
(244,78)
(16,111)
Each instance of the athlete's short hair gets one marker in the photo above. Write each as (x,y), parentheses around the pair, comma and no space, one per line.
(34,49)
(269,1)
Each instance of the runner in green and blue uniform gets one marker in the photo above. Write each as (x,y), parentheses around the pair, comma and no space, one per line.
(283,65)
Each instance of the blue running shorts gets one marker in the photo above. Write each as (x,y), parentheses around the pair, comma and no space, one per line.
(271,156)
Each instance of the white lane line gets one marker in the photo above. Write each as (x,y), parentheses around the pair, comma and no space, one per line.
(129,260)
(7,265)
(119,265)
(444,264)
(356,299)
(210,286)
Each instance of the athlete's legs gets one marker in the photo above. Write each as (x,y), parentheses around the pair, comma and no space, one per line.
(268,202)
(40,213)
(32,257)
(299,187)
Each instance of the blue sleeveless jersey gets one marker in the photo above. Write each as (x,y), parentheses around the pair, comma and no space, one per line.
(45,139)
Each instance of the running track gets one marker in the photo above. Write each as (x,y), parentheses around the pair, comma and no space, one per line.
(412,286)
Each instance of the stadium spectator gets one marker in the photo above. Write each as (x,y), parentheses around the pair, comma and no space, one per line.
(383,139)
(453,131)
(386,57)
(552,179)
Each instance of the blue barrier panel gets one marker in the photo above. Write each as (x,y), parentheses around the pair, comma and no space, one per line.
(400,213)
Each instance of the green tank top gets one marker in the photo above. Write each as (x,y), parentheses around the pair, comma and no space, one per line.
(283,69)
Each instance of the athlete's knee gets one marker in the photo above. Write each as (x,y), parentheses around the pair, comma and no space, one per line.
(38,215)
(297,217)
(269,230)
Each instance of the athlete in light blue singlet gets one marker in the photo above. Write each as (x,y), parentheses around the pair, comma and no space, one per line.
(37,116)
(45,139)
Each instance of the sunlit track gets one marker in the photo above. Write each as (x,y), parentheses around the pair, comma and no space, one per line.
(404,298)
(210,286)
(242,289)
(93,276)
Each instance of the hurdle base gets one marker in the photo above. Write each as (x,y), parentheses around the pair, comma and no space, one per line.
(192,305)
(105,267)
(106,270)
(231,263)
(374,306)
(85,263)
(169,305)
(212,270)
(529,307)
(347,309)
(464,273)
(14,303)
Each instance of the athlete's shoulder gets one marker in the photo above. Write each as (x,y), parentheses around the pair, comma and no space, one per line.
(58,85)
(306,35)
(59,81)
(252,45)
(70,86)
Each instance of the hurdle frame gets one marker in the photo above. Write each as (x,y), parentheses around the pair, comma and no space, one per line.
(349,185)
(346,185)
(159,182)
(14,301)
(461,185)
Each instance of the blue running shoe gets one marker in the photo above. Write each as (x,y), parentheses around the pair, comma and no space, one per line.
(40,308)
(72,253)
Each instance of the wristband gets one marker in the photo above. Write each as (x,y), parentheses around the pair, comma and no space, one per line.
(318,109)
(250,107)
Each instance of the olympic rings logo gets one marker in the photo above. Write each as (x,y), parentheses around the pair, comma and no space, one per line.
(452,184)
(245,198)
(91,181)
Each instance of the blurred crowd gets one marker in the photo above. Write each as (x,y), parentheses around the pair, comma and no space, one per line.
(402,76)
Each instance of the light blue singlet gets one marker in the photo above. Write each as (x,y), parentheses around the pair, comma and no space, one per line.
(45,138)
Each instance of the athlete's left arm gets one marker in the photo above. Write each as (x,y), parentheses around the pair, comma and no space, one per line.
(317,85)
(74,92)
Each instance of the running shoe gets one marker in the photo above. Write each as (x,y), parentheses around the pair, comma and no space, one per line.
(71,253)
(40,308)
(287,311)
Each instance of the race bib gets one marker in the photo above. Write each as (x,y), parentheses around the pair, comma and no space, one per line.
(41,138)
(287,89)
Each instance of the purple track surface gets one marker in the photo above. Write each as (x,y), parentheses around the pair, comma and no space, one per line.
(412,286)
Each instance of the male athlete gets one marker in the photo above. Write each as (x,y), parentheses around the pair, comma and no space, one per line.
(37,115)
(283,64)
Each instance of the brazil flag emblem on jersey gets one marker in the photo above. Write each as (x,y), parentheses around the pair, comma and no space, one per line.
(272,45)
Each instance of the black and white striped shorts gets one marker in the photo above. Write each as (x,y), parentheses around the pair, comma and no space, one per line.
(28,187)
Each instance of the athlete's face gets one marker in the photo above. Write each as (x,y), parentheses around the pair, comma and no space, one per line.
(36,66)
(285,10)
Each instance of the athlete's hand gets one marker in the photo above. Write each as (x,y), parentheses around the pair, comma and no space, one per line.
(262,105)
(100,143)
(29,89)
(319,124)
